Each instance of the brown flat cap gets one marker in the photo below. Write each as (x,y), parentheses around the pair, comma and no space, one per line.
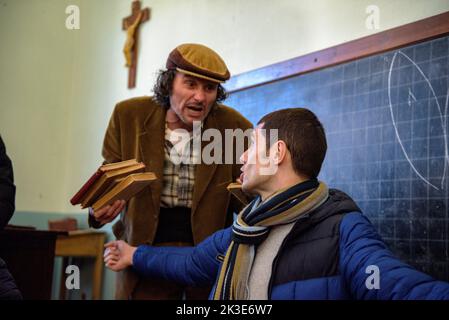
(199,61)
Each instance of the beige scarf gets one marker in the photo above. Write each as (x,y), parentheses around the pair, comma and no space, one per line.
(252,227)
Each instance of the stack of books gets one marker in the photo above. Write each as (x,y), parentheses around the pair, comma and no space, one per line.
(111,182)
(235,188)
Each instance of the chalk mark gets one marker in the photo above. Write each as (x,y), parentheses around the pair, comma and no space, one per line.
(442,118)
(411,95)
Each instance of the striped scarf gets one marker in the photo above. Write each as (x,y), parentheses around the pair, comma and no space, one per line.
(252,227)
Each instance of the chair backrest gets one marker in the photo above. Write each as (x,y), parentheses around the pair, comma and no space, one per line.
(67,224)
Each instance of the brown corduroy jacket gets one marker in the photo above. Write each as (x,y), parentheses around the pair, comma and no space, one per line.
(137,130)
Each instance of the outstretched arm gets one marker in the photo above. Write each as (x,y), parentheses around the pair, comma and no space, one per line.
(365,257)
(187,265)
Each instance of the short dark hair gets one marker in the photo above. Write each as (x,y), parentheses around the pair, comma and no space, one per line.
(164,85)
(304,136)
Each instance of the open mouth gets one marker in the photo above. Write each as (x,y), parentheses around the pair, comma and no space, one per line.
(195,108)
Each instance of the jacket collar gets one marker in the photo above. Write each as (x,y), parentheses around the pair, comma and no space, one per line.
(152,143)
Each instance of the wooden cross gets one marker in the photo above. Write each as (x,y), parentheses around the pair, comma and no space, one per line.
(131,26)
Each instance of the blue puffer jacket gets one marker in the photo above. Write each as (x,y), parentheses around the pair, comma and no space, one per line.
(336,257)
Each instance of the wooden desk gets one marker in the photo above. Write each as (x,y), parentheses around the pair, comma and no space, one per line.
(83,243)
(29,255)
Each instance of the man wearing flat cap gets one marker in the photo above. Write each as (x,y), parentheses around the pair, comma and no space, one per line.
(189,201)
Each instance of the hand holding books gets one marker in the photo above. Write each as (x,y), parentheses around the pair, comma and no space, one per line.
(108,213)
(108,189)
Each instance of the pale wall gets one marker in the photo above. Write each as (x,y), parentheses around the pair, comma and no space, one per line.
(58,86)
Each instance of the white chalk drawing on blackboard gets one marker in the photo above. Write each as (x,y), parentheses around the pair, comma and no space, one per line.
(410,97)
(441,113)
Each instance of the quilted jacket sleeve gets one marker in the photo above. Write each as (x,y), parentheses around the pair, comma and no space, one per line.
(364,256)
(191,266)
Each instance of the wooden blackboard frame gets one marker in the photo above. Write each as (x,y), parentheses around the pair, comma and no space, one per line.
(419,31)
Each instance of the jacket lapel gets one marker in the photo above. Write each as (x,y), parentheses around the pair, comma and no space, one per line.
(204,172)
(152,150)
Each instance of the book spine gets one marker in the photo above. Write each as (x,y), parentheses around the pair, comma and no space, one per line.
(77,198)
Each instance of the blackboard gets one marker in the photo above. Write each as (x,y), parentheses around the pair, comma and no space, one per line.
(386,119)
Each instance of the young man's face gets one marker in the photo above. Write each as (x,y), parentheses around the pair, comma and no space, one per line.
(255,177)
(192,98)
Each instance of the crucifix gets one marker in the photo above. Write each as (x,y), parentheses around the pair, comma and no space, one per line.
(131,26)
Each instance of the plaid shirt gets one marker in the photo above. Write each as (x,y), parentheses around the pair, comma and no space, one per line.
(179,170)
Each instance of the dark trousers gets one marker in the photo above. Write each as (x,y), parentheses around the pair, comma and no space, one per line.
(157,289)
(8,288)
